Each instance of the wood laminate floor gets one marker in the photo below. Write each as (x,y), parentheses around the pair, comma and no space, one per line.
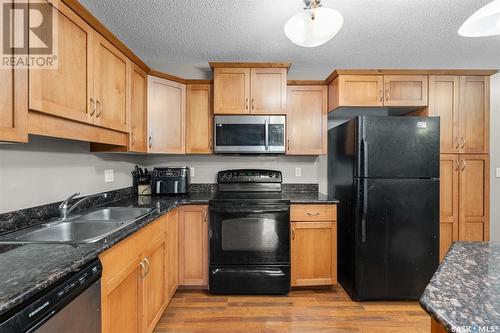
(299,312)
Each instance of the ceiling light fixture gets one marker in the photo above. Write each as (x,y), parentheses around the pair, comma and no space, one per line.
(314,26)
(484,22)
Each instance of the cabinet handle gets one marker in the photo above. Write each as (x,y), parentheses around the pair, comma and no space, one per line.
(293,233)
(313,214)
(92,105)
(387,91)
(457,164)
(147,266)
(463,165)
(132,136)
(288,144)
(463,142)
(99,108)
(252,104)
(246,103)
(381,93)
(210,143)
(143,269)
(150,141)
(458,143)
(205,216)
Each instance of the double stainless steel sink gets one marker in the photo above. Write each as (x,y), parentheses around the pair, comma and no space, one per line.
(88,227)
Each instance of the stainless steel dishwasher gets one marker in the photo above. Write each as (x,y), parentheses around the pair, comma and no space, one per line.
(71,305)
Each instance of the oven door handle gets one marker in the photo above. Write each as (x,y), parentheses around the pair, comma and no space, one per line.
(267,134)
(243,209)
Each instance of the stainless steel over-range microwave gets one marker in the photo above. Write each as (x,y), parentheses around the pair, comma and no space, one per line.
(249,134)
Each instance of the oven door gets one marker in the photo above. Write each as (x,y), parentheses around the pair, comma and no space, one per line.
(249,134)
(249,234)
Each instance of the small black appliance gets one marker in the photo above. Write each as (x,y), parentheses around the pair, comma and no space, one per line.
(170,180)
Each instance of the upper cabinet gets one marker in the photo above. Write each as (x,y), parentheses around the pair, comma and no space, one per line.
(67,91)
(138,110)
(307,120)
(166,116)
(110,85)
(199,124)
(250,90)
(370,90)
(14,106)
(462,103)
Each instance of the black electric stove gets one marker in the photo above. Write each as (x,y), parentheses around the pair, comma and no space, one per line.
(249,234)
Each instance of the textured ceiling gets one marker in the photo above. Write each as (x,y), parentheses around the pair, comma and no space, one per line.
(180,36)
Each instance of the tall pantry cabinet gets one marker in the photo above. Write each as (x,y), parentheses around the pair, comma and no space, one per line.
(462,103)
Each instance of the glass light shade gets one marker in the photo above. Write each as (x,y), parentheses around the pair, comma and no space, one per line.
(484,22)
(302,30)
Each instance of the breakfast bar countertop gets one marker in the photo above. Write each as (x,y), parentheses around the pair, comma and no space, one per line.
(464,293)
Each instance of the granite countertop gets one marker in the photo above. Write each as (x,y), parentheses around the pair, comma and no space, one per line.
(28,269)
(464,293)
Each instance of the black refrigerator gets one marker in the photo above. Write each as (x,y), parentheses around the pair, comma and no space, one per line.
(385,173)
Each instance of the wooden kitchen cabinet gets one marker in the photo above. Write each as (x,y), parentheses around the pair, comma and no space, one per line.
(133,283)
(356,90)
(155,283)
(172,253)
(444,97)
(474,119)
(462,103)
(313,245)
(67,91)
(231,90)
(14,106)
(377,90)
(138,110)
(448,205)
(405,90)
(250,90)
(199,123)
(268,90)
(193,245)
(474,197)
(166,116)
(307,120)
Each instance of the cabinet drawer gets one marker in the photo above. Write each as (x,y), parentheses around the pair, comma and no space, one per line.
(313,212)
(118,257)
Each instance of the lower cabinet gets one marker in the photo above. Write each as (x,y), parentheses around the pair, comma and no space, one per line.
(193,245)
(172,253)
(314,245)
(133,284)
(464,199)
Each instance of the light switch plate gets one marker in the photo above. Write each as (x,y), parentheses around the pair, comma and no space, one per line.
(298,172)
(192,171)
(497,172)
(108,175)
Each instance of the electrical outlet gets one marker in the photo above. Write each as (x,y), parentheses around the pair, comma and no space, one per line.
(497,172)
(298,172)
(109,176)
(192,171)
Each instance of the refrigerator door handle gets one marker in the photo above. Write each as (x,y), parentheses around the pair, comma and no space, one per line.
(364,212)
(364,144)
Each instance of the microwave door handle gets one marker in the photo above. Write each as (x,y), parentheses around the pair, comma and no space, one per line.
(267,133)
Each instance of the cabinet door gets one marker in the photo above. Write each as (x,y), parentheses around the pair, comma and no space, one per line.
(67,90)
(474,114)
(405,90)
(138,110)
(307,120)
(172,253)
(231,90)
(193,246)
(444,100)
(268,90)
(448,201)
(199,130)
(474,207)
(154,284)
(14,106)
(166,116)
(314,253)
(360,90)
(122,301)
(110,84)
